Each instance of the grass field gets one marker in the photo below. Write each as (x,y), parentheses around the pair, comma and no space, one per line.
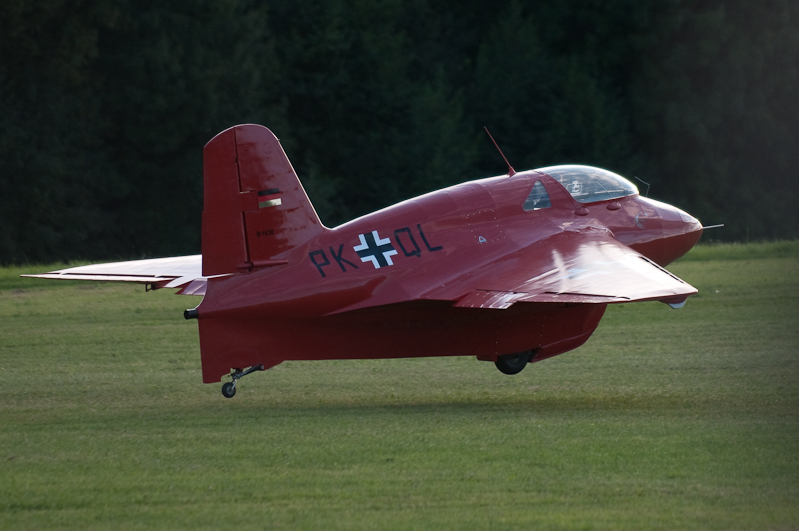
(665,419)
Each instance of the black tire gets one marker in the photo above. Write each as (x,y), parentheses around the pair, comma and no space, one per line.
(513,363)
(229,390)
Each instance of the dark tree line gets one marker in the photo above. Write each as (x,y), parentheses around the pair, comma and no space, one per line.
(105,107)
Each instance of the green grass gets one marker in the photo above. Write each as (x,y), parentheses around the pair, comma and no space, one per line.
(665,419)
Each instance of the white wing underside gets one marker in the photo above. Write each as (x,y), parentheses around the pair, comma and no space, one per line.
(178,272)
(588,267)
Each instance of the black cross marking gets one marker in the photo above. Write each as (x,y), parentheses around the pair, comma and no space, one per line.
(374,249)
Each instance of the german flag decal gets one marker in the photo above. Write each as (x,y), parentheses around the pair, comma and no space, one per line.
(269,198)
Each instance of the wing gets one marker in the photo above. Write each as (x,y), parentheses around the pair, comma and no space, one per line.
(587,266)
(183,272)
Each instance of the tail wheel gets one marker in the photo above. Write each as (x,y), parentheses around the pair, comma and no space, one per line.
(229,390)
(513,363)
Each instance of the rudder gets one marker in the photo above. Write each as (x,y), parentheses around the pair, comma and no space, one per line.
(254,206)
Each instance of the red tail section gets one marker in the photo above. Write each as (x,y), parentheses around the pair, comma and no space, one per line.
(254,207)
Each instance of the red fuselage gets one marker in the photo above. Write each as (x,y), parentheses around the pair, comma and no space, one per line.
(367,289)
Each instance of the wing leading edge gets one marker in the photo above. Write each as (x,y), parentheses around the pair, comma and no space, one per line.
(588,267)
(183,272)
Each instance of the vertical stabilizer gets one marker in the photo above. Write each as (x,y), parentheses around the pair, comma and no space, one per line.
(254,207)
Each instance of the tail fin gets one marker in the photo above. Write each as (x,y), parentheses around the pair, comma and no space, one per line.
(254,207)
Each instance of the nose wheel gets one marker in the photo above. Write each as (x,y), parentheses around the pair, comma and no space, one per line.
(229,388)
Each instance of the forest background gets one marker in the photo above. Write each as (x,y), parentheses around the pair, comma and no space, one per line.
(105,107)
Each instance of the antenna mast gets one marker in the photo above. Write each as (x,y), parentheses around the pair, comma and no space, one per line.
(646,183)
(511,171)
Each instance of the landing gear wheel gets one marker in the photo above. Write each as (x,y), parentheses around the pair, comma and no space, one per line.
(229,390)
(513,363)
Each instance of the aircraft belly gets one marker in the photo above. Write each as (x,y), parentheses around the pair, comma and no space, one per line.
(419,329)
(550,328)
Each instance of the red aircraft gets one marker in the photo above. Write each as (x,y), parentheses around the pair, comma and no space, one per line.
(511,269)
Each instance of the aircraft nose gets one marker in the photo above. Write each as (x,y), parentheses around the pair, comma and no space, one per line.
(663,233)
(681,231)
(678,220)
(687,223)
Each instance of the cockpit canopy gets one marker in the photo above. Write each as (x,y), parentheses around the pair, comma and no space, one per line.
(587,184)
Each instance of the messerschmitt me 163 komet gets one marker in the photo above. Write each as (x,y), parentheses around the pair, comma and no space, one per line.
(511,269)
